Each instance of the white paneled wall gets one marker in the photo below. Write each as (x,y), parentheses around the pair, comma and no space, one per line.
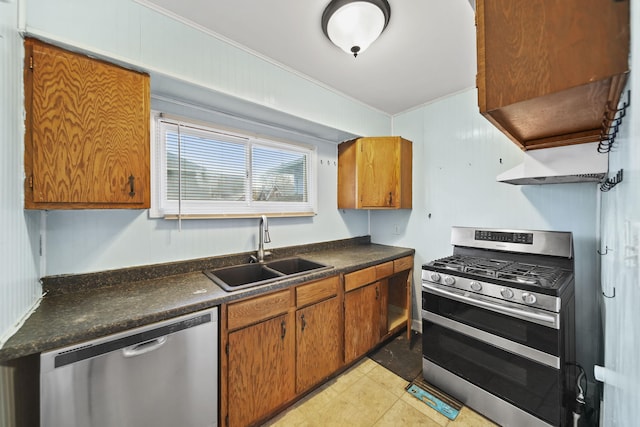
(457,154)
(126,31)
(19,286)
(135,34)
(87,241)
(620,266)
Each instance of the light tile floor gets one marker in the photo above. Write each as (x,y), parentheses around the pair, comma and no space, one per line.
(369,395)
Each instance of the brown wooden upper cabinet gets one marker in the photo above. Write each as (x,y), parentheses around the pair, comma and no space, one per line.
(549,72)
(375,173)
(87,132)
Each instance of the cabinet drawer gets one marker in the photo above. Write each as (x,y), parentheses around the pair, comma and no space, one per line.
(316,291)
(401,264)
(359,278)
(245,313)
(384,270)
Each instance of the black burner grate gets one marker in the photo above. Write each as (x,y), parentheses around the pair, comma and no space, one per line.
(509,271)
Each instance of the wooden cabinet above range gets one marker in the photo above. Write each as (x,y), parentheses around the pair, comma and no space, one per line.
(550,72)
(87,132)
(375,173)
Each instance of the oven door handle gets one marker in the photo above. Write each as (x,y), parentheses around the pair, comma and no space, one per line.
(522,314)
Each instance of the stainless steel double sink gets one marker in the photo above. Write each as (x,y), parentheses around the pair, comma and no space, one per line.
(244,276)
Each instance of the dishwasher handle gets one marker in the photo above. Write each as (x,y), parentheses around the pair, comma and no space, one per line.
(144,347)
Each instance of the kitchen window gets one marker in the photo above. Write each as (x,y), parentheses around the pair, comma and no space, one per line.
(201,171)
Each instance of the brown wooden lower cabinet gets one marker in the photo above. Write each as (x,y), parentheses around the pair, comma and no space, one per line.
(261,370)
(279,345)
(318,343)
(361,321)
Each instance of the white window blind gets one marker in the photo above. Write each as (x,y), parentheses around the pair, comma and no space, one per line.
(201,171)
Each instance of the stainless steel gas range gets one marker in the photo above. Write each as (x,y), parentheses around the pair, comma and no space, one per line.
(498,324)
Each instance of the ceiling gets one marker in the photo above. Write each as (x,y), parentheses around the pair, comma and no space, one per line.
(426,52)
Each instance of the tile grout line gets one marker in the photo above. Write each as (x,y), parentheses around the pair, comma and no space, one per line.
(374,372)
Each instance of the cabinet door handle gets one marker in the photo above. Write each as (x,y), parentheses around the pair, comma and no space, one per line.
(304,322)
(283,326)
(390,198)
(132,191)
(377,292)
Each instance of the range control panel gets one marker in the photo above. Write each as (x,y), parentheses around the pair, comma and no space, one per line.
(506,237)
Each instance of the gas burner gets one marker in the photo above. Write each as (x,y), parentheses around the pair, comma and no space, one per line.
(449,263)
(518,279)
(527,280)
(480,271)
(530,274)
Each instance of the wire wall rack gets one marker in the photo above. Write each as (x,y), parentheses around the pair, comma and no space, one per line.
(611,121)
(609,183)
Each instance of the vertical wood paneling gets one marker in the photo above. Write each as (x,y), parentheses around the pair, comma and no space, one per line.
(86,241)
(19,287)
(621,266)
(162,44)
(457,156)
(94,240)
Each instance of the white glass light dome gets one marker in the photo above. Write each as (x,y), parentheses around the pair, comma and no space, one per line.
(354,25)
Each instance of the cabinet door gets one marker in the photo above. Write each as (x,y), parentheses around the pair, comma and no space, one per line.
(261,370)
(378,172)
(361,321)
(318,349)
(375,173)
(87,139)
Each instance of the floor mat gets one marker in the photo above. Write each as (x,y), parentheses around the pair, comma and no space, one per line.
(434,398)
(400,356)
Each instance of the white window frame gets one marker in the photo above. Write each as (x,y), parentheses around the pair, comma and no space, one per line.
(161,207)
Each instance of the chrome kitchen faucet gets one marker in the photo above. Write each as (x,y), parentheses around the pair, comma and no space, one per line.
(264,237)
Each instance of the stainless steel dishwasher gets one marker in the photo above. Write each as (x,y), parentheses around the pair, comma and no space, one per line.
(164,374)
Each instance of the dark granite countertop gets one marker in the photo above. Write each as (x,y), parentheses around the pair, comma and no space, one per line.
(83,307)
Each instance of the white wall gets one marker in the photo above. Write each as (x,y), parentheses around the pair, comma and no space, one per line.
(182,59)
(457,154)
(134,34)
(86,241)
(620,271)
(19,287)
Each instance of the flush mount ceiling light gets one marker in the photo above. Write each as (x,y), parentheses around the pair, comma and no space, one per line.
(353,25)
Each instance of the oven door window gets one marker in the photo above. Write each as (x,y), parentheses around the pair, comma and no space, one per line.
(528,385)
(530,334)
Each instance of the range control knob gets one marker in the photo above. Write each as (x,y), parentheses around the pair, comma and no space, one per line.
(506,293)
(435,277)
(475,286)
(448,280)
(528,298)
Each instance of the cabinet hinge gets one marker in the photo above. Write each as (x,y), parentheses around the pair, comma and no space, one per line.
(31,62)
(30,181)
(226,420)
(226,349)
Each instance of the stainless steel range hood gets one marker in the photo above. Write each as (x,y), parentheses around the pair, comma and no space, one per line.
(559,165)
